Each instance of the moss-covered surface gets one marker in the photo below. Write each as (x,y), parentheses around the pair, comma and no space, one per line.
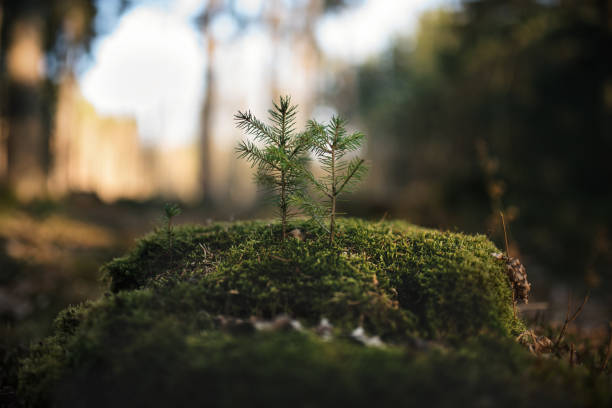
(440,302)
(396,278)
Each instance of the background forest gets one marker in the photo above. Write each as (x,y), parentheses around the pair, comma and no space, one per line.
(478,107)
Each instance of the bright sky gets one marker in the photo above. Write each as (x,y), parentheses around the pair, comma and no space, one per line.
(361,32)
(151,65)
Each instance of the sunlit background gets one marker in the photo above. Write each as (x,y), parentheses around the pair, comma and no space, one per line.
(471,108)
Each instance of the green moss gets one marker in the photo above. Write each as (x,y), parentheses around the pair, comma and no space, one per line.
(396,278)
(165,364)
(154,341)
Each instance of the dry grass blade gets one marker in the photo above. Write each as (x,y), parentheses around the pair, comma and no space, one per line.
(568,318)
(501,213)
(278,258)
(384,217)
(505,232)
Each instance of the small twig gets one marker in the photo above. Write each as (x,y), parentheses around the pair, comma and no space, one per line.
(505,232)
(607,356)
(513,302)
(571,356)
(568,318)
(384,217)
(536,346)
(204,249)
(520,336)
(533,348)
(279,258)
(501,213)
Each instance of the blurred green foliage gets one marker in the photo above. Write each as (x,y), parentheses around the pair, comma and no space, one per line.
(502,105)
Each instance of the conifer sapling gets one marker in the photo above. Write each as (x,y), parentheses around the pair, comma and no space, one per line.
(170,211)
(331,143)
(282,154)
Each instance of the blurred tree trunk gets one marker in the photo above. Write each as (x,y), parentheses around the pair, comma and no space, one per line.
(273,20)
(305,46)
(3,157)
(206,122)
(311,51)
(26,140)
(213,8)
(32,31)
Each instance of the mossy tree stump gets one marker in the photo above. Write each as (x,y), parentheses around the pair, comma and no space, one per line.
(440,302)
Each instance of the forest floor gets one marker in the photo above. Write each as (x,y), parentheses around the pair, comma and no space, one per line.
(51,253)
(230,314)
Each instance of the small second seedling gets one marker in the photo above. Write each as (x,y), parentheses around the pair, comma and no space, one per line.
(331,143)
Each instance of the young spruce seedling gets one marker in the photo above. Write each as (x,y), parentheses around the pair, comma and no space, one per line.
(170,211)
(282,156)
(331,143)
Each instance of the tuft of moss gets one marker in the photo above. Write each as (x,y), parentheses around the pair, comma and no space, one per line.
(154,340)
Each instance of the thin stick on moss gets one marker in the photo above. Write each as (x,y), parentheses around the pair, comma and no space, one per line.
(606,358)
(505,232)
(514,311)
(568,318)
